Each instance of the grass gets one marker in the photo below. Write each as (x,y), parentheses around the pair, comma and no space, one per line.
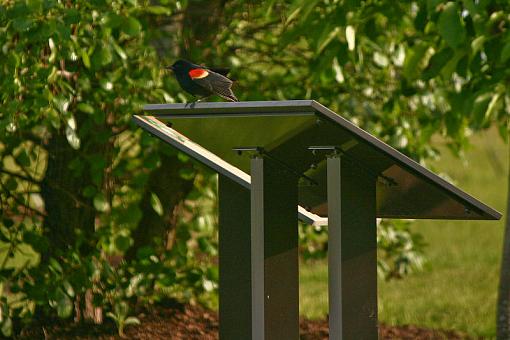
(457,289)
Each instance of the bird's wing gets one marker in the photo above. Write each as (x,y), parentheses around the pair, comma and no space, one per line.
(214,82)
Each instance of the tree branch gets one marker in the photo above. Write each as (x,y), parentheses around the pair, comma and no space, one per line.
(27,178)
(20,202)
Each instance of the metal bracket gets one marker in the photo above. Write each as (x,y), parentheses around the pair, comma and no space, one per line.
(254,150)
(335,151)
(258,151)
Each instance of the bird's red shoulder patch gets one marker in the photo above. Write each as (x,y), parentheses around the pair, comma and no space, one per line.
(198,73)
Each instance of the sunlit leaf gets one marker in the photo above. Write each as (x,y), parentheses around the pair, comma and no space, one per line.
(64,304)
(158,10)
(350,35)
(6,327)
(156,204)
(100,202)
(85,58)
(72,138)
(339,76)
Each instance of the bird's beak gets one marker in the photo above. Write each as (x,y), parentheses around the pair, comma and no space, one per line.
(169,68)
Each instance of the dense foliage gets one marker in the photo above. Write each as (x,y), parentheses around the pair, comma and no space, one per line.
(98,217)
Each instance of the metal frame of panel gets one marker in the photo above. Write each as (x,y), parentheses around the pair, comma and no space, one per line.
(307,107)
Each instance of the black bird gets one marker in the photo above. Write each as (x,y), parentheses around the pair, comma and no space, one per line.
(201,81)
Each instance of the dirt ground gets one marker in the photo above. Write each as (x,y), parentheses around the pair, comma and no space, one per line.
(178,322)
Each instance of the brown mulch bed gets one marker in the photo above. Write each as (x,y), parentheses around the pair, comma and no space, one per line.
(177,321)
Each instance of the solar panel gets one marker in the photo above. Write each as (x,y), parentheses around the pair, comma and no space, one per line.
(299,134)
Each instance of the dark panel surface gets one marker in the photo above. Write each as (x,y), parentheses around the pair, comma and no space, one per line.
(285,129)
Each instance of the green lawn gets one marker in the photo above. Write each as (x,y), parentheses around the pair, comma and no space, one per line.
(457,289)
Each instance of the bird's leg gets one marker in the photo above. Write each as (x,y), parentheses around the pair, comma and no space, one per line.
(191,104)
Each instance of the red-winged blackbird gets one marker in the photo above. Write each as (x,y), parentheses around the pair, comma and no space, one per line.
(201,81)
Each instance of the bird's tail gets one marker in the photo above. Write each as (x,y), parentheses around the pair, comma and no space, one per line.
(227,94)
(232,97)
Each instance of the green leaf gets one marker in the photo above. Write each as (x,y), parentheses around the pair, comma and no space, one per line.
(505,52)
(11,184)
(414,57)
(72,138)
(122,243)
(350,35)
(22,24)
(54,118)
(450,25)
(477,44)
(334,33)
(102,56)
(491,108)
(119,51)
(36,241)
(84,107)
(339,76)
(23,159)
(34,5)
(432,5)
(61,103)
(85,58)
(100,202)
(132,321)
(156,204)
(89,191)
(64,304)
(72,16)
(121,309)
(55,265)
(451,65)
(69,288)
(145,252)
(7,222)
(112,20)
(131,26)
(158,10)
(480,108)
(7,327)
(437,62)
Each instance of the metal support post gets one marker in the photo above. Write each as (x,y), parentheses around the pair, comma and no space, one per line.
(274,251)
(352,257)
(234,260)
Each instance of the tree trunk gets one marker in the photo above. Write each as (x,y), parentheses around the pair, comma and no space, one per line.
(171,189)
(503,312)
(67,210)
(201,21)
